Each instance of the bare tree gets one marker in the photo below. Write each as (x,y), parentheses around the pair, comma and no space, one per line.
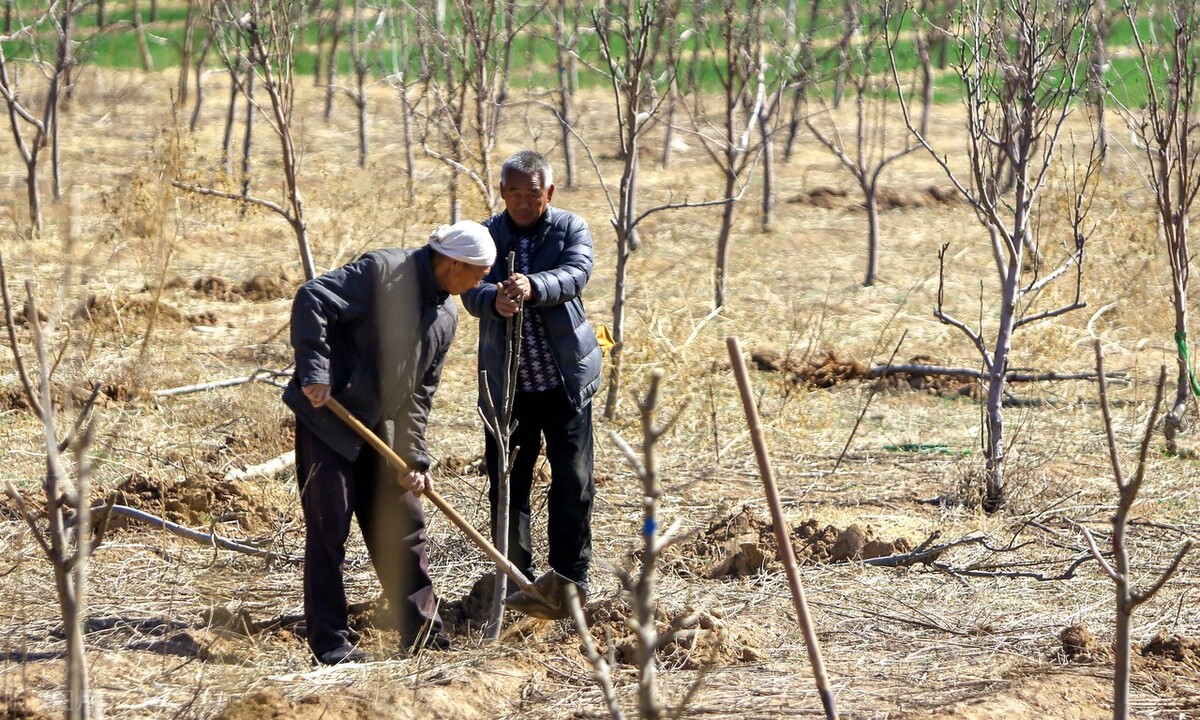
(851,28)
(501,424)
(729,139)
(566,34)
(804,76)
(633,63)
(398,73)
(462,88)
(1167,131)
(366,34)
(269,54)
(628,47)
(34,126)
(61,524)
(1119,570)
(872,148)
(641,586)
(1041,75)
(1100,23)
(333,28)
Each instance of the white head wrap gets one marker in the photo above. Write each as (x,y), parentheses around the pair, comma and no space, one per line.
(465,241)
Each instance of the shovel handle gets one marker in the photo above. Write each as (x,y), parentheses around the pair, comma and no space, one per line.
(440,503)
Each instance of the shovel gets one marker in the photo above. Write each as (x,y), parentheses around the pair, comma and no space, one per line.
(544,598)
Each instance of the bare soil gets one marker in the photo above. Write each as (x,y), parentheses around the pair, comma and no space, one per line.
(171,290)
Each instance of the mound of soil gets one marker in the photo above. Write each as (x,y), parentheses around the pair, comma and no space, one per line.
(14,398)
(1176,648)
(831,198)
(195,501)
(108,312)
(470,612)
(1079,644)
(455,466)
(19,706)
(742,545)
(259,288)
(267,704)
(824,371)
(689,640)
(827,370)
(822,197)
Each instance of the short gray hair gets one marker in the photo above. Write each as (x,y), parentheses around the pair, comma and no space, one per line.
(528,162)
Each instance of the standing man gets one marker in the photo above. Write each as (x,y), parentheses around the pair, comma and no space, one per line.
(559,367)
(373,334)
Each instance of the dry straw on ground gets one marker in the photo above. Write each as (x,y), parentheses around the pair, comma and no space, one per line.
(183,631)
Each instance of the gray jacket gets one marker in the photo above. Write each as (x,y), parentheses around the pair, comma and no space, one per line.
(377,331)
(558,271)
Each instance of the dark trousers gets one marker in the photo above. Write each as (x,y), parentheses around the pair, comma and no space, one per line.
(332,489)
(569,501)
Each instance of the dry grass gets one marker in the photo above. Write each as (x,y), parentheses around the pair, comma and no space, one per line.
(909,642)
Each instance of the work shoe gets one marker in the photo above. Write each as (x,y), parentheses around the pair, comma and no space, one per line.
(343,654)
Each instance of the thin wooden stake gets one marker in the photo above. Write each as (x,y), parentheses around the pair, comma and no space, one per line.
(781,533)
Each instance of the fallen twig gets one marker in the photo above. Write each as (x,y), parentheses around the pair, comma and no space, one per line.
(266,469)
(263,374)
(1011,376)
(103,512)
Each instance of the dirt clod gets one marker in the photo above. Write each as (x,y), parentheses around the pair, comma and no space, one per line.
(1176,648)
(193,501)
(259,288)
(19,706)
(1079,644)
(689,639)
(741,544)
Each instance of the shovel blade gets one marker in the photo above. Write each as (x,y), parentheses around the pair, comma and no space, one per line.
(545,598)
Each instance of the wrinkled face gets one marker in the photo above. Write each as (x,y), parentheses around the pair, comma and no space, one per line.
(457,277)
(525,198)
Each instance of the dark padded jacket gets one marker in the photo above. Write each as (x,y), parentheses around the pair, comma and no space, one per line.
(376,331)
(558,271)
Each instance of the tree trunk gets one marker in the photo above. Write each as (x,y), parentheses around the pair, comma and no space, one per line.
(626,238)
(199,70)
(410,160)
(565,94)
(35,197)
(1097,92)
(55,156)
(139,32)
(230,118)
(1121,643)
(922,41)
(247,137)
(1173,420)
(360,100)
(502,91)
(871,194)
(101,14)
(616,354)
(331,61)
(768,167)
(723,240)
(994,492)
(185,55)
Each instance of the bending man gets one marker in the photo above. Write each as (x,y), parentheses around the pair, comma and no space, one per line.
(374,335)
